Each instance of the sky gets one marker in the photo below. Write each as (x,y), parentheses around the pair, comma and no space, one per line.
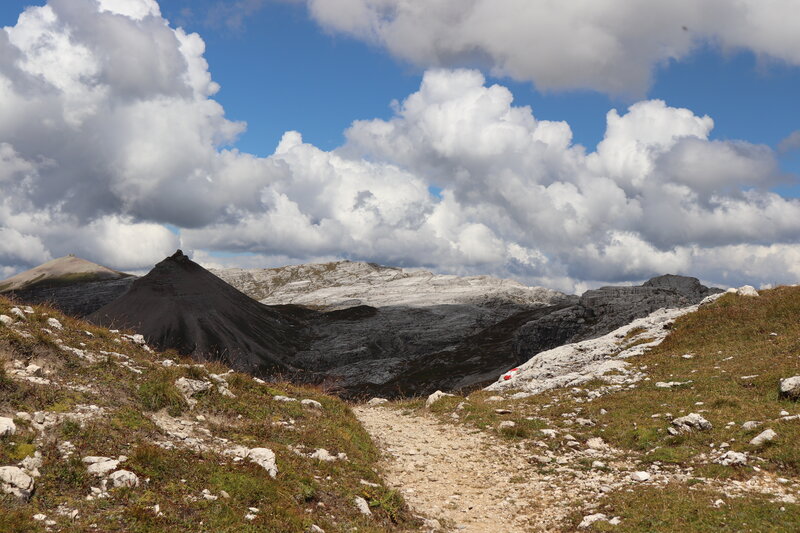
(568,145)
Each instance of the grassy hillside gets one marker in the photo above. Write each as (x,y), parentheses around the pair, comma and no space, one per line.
(93,392)
(732,355)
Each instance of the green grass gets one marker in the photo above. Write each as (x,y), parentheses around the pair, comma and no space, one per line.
(677,508)
(305,491)
(730,338)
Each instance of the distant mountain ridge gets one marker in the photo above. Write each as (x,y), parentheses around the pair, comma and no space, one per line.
(62,271)
(73,285)
(343,284)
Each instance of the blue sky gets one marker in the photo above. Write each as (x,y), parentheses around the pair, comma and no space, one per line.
(437,182)
(279,71)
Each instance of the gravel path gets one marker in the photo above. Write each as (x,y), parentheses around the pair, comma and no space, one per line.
(461,477)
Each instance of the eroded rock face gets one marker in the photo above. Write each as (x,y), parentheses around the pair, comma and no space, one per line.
(602,310)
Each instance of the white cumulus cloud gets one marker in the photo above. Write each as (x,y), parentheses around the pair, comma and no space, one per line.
(606,45)
(109,132)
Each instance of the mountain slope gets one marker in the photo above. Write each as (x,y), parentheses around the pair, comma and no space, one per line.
(345,284)
(100,433)
(182,306)
(72,285)
(64,270)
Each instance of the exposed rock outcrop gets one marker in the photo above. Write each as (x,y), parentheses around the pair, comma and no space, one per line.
(602,310)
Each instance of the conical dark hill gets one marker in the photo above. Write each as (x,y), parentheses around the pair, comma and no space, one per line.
(180,305)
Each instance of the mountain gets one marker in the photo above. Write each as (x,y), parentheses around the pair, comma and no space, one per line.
(182,306)
(71,284)
(343,284)
(99,432)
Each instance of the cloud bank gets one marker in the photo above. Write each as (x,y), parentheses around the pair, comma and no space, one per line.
(109,135)
(606,45)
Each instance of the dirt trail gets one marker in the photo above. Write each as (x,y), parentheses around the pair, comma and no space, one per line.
(462,477)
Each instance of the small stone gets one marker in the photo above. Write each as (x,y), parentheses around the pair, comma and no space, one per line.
(596,443)
(435,397)
(640,476)
(124,478)
(747,290)
(7,427)
(280,398)
(750,425)
(224,494)
(692,421)
(362,506)
(55,324)
(377,401)
(101,468)
(763,437)
(598,464)
(6,320)
(315,529)
(311,404)
(507,424)
(591,519)
(14,480)
(265,458)
(40,517)
(732,458)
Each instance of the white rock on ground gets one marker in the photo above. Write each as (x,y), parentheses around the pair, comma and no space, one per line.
(377,401)
(750,425)
(311,404)
(6,320)
(279,398)
(690,422)
(732,458)
(763,437)
(14,480)
(435,397)
(16,311)
(790,388)
(189,387)
(324,455)
(100,466)
(362,506)
(265,458)
(747,290)
(591,519)
(7,427)
(124,478)
(54,323)
(640,476)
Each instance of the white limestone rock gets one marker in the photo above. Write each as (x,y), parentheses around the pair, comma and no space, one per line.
(573,364)
(124,478)
(377,401)
(190,387)
(6,320)
(100,466)
(691,422)
(7,427)
(435,397)
(311,404)
(732,458)
(54,323)
(13,480)
(790,388)
(640,476)
(747,290)
(280,398)
(265,458)
(764,437)
(362,506)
